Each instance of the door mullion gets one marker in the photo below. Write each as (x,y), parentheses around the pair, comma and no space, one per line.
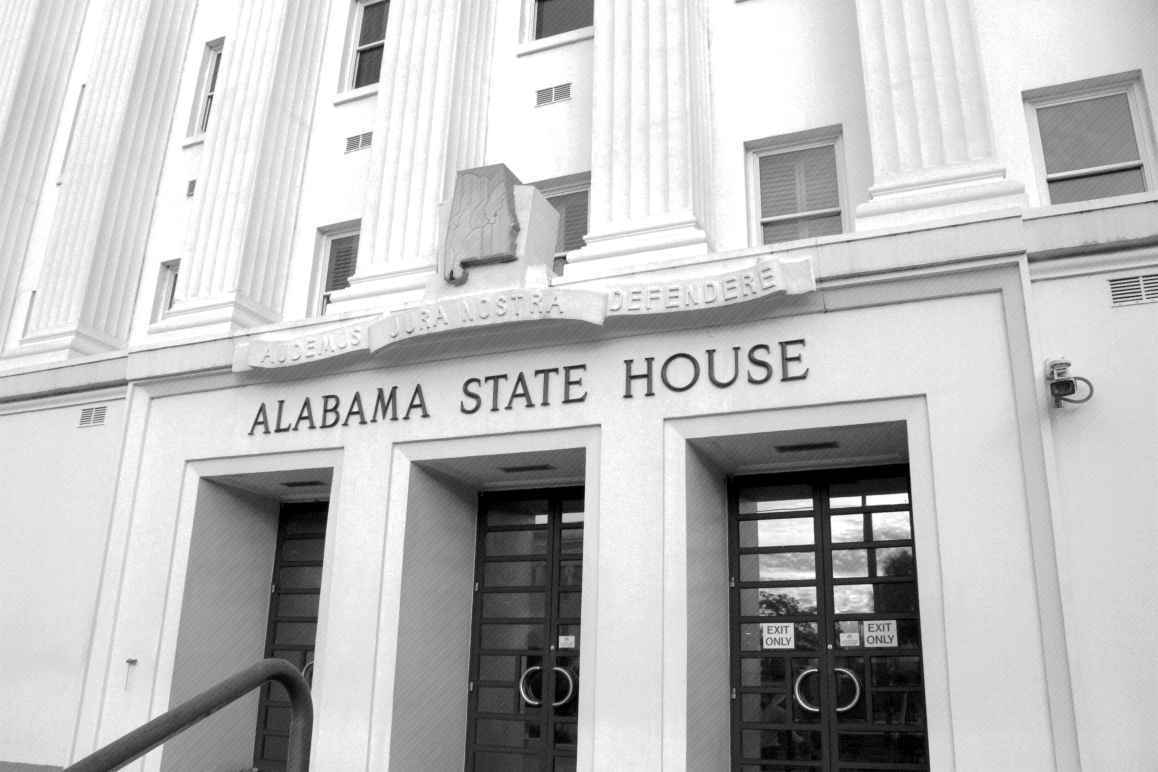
(827,622)
(554,541)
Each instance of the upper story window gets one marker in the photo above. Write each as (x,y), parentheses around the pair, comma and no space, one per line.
(1092,139)
(166,291)
(569,196)
(339,260)
(795,186)
(369,39)
(553,17)
(206,87)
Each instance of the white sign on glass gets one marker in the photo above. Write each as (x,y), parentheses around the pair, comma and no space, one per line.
(778,635)
(880,633)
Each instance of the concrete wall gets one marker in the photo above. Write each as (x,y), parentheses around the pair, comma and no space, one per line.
(224,615)
(434,625)
(977,537)
(56,495)
(1105,500)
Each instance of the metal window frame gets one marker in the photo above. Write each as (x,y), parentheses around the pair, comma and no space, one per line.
(355,49)
(165,293)
(1125,83)
(819,481)
(206,87)
(319,298)
(824,136)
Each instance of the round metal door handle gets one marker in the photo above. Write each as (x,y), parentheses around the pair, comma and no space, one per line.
(570,686)
(523,687)
(856,683)
(796,690)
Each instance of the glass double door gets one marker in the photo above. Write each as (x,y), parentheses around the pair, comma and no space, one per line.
(524,665)
(293,622)
(825,632)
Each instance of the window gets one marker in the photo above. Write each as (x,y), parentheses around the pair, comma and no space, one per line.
(1091,139)
(553,17)
(340,259)
(569,196)
(166,289)
(206,87)
(795,181)
(368,41)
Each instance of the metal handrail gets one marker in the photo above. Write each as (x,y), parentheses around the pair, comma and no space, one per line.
(147,737)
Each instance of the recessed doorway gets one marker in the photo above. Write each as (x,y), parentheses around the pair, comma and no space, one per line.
(825,627)
(524,665)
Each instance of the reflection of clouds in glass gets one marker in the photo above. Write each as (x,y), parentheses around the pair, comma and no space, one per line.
(847,564)
(853,598)
(787,565)
(846,528)
(776,533)
(891,525)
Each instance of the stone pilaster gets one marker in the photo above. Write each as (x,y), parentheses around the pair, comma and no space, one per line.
(38,40)
(932,144)
(255,150)
(430,123)
(89,278)
(651,137)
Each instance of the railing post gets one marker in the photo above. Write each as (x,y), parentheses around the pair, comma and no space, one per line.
(147,737)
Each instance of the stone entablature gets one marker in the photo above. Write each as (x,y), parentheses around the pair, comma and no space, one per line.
(531,305)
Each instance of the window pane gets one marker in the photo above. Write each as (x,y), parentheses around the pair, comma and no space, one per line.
(373,23)
(778,601)
(572,209)
(343,262)
(891,525)
(776,498)
(813,227)
(513,604)
(1092,132)
(518,512)
(778,567)
(1097,186)
(776,533)
(800,181)
(555,16)
(368,67)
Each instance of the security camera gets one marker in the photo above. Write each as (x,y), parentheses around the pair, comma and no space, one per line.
(1062,385)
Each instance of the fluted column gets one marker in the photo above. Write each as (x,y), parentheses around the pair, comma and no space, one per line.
(933,152)
(38,40)
(651,136)
(430,122)
(96,246)
(255,149)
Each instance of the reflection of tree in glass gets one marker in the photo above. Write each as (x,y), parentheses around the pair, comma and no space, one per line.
(899,562)
(778,604)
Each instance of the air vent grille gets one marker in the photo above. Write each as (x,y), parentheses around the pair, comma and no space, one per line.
(92,416)
(1130,290)
(359,141)
(552,94)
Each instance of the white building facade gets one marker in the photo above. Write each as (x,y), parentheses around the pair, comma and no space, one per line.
(771,444)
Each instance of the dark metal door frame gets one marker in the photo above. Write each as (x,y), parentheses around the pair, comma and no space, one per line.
(556,668)
(271,711)
(826,656)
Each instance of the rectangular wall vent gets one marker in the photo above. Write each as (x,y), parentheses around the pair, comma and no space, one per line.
(190,188)
(552,94)
(1130,290)
(92,416)
(359,141)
